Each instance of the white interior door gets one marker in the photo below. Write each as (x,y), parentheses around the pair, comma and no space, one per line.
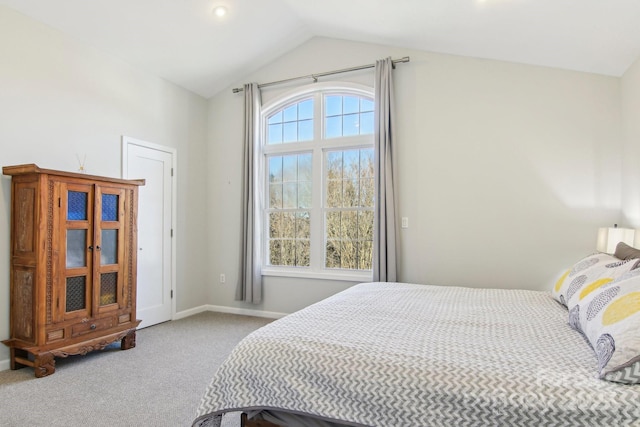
(155,206)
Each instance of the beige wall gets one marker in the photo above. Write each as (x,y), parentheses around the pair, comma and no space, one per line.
(631,153)
(60,99)
(505,170)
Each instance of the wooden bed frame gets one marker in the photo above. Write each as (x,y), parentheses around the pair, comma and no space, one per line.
(244,422)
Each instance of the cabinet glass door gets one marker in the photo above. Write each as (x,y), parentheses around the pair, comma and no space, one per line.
(76,228)
(110,212)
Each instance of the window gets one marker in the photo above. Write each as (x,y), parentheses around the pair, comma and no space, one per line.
(289,210)
(319,183)
(348,209)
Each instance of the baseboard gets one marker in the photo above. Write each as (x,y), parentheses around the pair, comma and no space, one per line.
(230,310)
(247,311)
(5,364)
(190,312)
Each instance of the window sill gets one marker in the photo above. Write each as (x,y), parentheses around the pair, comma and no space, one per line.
(346,276)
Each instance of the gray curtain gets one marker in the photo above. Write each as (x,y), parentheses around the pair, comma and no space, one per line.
(384,237)
(250,284)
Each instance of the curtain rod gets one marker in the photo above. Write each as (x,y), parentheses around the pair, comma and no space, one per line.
(326,73)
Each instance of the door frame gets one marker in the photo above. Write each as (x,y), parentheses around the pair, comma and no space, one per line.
(126,142)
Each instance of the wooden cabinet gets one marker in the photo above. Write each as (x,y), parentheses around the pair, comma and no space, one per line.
(73,265)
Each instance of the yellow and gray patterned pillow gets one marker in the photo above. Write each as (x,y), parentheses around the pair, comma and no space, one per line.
(585,272)
(595,277)
(609,317)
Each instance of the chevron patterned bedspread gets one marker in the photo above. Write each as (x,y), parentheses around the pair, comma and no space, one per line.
(398,354)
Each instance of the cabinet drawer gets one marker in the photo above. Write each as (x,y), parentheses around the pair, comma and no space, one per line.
(91,326)
(55,335)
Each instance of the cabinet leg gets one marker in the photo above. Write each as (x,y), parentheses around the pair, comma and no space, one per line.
(129,340)
(17,353)
(44,364)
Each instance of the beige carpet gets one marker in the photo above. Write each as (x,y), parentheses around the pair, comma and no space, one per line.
(158,383)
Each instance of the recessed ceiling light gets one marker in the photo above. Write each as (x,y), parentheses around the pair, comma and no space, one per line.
(220,11)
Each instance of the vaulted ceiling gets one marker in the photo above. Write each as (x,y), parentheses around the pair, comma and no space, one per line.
(184,42)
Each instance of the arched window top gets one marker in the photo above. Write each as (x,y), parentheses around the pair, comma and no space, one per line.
(319,111)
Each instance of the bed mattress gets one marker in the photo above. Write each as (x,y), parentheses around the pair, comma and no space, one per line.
(392,354)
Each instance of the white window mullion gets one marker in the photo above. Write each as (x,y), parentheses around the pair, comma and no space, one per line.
(317,232)
(265,209)
(317,221)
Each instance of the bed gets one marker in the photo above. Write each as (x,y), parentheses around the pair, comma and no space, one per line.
(400,354)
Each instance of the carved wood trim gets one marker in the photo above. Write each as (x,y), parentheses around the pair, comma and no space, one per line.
(86,347)
(131,248)
(49,250)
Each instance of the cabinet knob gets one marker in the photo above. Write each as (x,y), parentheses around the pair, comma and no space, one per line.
(90,248)
(93,326)
(98,247)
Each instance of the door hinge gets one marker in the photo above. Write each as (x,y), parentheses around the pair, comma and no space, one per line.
(171,171)
(172,232)
(171,293)
(59,202)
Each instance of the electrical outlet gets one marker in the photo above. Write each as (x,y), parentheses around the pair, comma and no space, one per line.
(223,279)
(405,222)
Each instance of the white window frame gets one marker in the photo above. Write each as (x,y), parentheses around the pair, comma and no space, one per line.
(317,147)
